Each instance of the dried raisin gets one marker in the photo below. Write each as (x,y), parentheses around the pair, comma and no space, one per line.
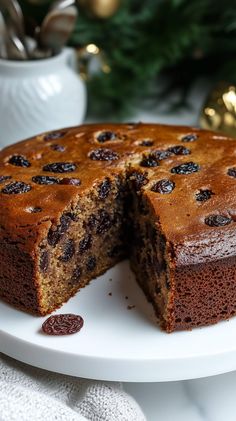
(62,324)
(191,137)
(17,187)
(103,155)
(92,221)
(146,142)
(54,135)
(76,275)
(70,181)
(232,172)
(85,244)
(217,220)
(58,148)
(4,178)
(91,263)
(203,195)
(160,155)
(68,251)
(186,168)
(139,179)
(44,261)
(104,189)
(60,167)
(106,136)
(163,186)
(54,236)
(45,179)
(179,150)
(35,209)
(149,161)
(19,161)
(103,221)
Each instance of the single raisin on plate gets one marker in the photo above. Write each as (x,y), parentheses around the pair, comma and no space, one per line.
(146,142)
(104,189)
(191,137)
(68,251)
(70,181)
(45,179)
(4,178)
(139,179)
(149,161)
(160,155)
(19,161)
(186,168)
(60,167)
(44,261)
(62,324)
(54,236)
(54,135)
(203,195)
(106,136)
(232,172)
(179,150)
(85,244)
(16,187)
(91,263)
(58,148)
(163,186)
(103,155)
(76,275)
(217,220)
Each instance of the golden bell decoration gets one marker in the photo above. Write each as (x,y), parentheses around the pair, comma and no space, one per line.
(102,9)
(219,111)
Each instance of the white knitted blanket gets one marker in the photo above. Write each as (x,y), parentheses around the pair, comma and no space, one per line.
(31,394)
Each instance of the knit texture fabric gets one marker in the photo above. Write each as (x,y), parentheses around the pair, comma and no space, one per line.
(28,393)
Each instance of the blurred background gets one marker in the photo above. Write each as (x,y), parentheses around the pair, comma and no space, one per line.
(157,60)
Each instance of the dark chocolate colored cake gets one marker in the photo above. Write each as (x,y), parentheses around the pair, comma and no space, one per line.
(76,201)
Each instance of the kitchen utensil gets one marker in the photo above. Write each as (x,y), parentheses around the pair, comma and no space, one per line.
(15,48)
(3,50)
(57,28)
(13,16)
(62,4)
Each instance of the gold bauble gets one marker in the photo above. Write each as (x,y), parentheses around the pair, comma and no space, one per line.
(100,8)
(219,111)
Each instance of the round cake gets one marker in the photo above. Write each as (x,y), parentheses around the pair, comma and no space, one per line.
(76,201)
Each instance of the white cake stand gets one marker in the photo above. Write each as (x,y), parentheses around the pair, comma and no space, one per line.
(117,343)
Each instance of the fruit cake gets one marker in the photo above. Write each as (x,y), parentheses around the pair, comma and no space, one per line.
(76,201)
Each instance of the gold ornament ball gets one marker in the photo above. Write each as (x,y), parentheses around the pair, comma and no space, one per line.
(219,111)
(101,8)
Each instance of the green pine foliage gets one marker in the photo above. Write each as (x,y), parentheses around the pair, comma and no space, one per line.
(182,39)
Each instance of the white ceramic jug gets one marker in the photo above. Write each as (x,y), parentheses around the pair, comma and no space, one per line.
(41,95)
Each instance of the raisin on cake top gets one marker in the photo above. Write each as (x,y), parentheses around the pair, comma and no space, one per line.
(190,181)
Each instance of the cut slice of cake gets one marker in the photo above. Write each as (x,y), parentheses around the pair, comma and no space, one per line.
(76,201)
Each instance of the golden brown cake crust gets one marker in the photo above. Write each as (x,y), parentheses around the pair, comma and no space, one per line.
(181,216)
